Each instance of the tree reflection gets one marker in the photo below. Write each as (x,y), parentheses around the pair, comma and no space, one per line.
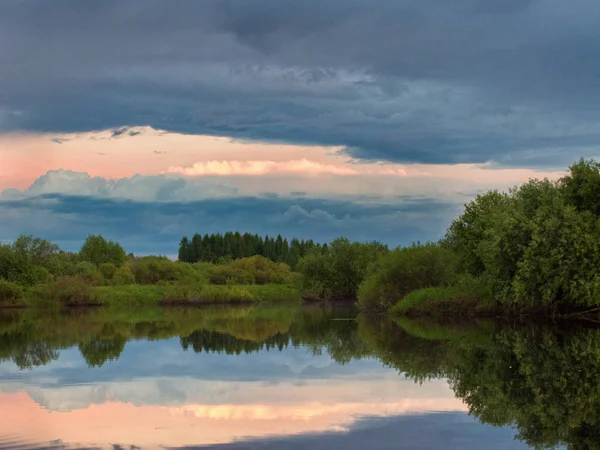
(99,350)
(543,380)
(33,354)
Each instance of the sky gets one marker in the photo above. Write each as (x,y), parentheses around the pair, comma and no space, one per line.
(156,396)
(317,118)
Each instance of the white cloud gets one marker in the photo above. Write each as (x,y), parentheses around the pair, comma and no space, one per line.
(138,187)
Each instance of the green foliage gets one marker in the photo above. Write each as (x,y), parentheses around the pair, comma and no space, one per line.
(560,264)
(127,295)
(248,293)
(466,295)
(11,294)
(253,270)
(537,245)
(403,270)
(582,185)
(315,276)
(107,270)
(153,269)
(69,291)
(465,234)
(122,276)
(181,292)
(338,272)
(29,261)
(98,250)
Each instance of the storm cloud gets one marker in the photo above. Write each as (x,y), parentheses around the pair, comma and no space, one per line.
(511,82)
(156,227)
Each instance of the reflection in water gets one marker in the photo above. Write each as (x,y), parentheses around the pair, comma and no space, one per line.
(183,377)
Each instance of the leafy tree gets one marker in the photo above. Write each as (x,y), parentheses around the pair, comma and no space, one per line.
(123,276)
(466,233)
(403,270)
(559,267)
(338,272)
(107,270)
(581,187)
(37,251)
(10,293)
(98,250)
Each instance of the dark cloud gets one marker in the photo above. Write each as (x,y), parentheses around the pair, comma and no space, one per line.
(156,227)
(515,81)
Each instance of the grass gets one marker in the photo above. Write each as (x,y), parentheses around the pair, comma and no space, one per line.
(243,294)
(471,330)
(135,295)
(129,295)
(468,296)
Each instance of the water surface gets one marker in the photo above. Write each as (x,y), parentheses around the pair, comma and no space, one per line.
(291,377)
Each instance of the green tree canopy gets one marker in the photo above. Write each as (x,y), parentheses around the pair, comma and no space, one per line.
(98,250)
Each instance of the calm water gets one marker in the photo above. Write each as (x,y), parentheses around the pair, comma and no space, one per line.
(305,378)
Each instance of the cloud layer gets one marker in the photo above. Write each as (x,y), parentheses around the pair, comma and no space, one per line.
(156,227)
(513,82)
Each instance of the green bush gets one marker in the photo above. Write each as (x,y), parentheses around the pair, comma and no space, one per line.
(337,272)
(152,269)
(11,294)
(70,290)
(122,276)
(248,293)
(403,270)
(181,292)
(467,295)
(127,295)
(107,270)
(253,270)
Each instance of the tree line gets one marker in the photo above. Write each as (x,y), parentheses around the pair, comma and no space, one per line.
(218,247)
(533,249)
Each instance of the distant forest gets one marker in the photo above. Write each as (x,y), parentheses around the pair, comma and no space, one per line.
(230,246)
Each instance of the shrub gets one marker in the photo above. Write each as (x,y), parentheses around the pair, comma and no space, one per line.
(467,295)
(253,270)
(69,290)
(404,270)
(123,276)
(152,269)
(337,272)
(248,293)
(174,293)
(39,274)
(127,295)
(11,294)
(107,270)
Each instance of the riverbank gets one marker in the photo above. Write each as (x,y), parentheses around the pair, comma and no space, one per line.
(129,296)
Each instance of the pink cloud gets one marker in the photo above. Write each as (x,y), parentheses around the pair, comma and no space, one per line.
(225,168)
(192,424)
(250,167)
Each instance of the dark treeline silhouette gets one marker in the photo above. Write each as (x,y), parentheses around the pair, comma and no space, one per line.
(217,247)
(207,341)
